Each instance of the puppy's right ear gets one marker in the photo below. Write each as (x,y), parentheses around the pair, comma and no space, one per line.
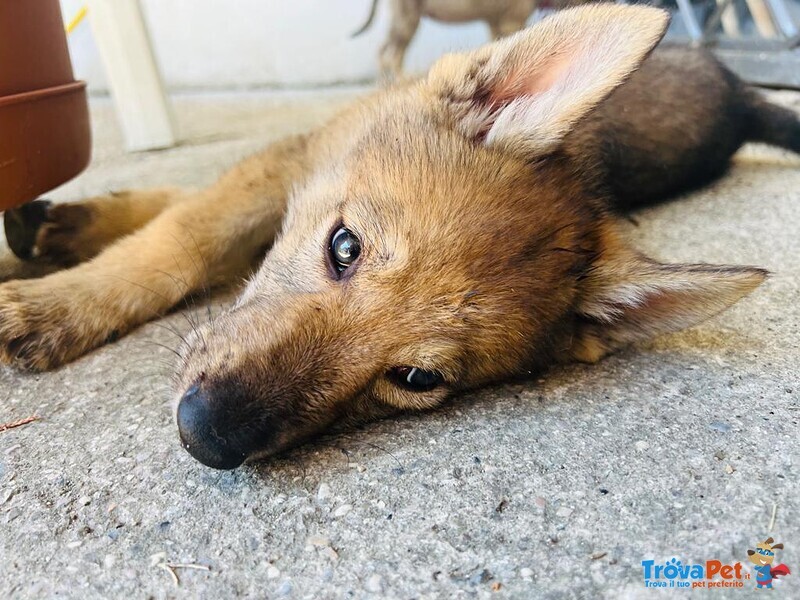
(527,91)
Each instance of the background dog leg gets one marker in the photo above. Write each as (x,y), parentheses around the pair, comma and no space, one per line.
(506,26)
(405,19)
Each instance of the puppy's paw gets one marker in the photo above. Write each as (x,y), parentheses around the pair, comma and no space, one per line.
(42,327)
(54,233)
(22,224)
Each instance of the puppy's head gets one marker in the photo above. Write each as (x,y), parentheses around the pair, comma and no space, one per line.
(441,243)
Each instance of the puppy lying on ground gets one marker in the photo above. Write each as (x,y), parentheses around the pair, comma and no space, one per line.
(433,238)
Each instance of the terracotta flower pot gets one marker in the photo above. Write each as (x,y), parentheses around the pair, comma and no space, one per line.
(45,138)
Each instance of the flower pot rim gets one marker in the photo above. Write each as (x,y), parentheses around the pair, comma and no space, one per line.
(40,94)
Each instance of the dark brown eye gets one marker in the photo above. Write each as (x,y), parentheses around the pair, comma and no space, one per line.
(344,248)
(414,378)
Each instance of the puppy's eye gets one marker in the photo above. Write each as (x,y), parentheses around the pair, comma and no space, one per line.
(345,248)
(414,378)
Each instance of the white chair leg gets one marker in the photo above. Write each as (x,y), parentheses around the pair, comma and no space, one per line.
(136,87)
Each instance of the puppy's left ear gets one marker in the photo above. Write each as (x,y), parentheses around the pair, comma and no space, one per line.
(527,91)
(626,298)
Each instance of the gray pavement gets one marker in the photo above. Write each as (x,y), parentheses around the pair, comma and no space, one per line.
(684,447)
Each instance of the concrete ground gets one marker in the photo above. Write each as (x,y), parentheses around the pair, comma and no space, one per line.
(686,447)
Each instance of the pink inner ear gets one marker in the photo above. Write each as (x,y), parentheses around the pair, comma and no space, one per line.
(655,305)
(522,82)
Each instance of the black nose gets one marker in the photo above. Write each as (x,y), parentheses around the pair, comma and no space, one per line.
(205,432)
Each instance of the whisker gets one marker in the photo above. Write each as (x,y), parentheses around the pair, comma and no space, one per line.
(207,271)
(160,313)
(183,291)
(172,330)
(384,450)
(175,352)
(144,287)
(176,280)
(185,294)
(189,315)
(201,276)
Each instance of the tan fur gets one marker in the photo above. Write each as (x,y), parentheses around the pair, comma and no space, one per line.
(484,255)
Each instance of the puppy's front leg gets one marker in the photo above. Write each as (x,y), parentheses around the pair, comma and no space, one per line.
(205,239)
(46,322)
(48,237)
(68,233)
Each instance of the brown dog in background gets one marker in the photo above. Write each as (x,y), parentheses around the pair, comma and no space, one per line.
(432,238)
(503,17)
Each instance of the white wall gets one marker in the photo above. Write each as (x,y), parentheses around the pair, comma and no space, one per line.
(224,44)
